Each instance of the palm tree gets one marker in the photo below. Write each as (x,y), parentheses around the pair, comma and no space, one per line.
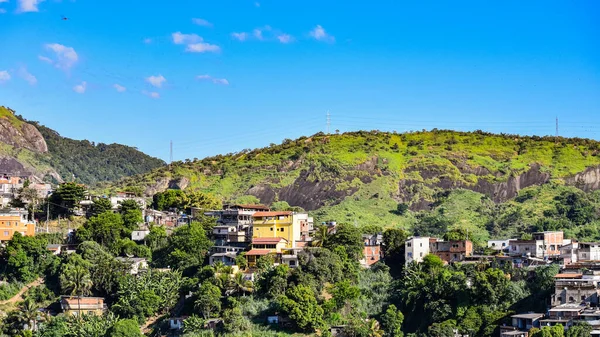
(76,280)
(241,284)
(320,236)
(28,314)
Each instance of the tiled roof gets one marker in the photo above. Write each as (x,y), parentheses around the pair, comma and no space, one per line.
(568,275)
(261,214)
(256,252)
(268,240)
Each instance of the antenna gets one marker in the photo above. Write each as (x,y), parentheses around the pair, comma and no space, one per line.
(171,153)
(328,121)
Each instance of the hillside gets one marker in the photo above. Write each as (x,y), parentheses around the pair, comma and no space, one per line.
(28,148)
(362,177)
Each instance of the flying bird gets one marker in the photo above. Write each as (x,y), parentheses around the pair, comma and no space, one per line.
(64,18)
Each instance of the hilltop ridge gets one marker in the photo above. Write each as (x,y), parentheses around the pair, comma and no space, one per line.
(375,171)
(31,149)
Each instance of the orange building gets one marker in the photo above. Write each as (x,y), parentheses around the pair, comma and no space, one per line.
(15,220)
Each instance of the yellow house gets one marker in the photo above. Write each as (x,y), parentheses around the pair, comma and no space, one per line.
(73,305)
(12,221)
(266,246)
(283,224)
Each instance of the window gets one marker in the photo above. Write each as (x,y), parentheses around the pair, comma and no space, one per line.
(421,244)
(421,254)
(571,299)
(493,244)
(410,255)
(503,244)
(271,229)
(5,233)
(292,263)
(408,244)
(583,297)
(281,229)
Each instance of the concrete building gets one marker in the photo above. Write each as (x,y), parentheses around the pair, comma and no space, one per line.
(234,223)
(416,248)
(13,221)
(371,250)
(551,242)
(283,224)
(75,305)
(116,200)
(224,254)
(588,251)
(570,288)
(135,264)
(500,245)
(568,253)
(451,251)
(266,246)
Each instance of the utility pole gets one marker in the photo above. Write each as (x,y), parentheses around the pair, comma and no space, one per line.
(557,129)
(171,153)
(328,121)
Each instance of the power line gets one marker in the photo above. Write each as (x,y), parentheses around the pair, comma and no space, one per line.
(328,121)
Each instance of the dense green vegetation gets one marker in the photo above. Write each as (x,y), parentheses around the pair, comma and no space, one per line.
(78,160)
(90,163)
(362,176)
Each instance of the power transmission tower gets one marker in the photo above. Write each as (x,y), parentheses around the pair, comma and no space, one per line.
(171,153)
(556,138)
(328,121)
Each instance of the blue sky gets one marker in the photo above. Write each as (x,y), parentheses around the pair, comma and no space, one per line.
(221,76)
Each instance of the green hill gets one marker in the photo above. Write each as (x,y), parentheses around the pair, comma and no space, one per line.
(362,177)
(28,148)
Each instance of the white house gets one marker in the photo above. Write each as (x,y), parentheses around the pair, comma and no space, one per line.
(588,251)
(416,248)
(498,244)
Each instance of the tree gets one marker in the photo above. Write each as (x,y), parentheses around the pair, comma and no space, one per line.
(106,229)
(169,199)
(393,250)
(28,314)
(157,238)
(25,257)
(193,324)
(579,329)
(342,293)
(125,328)
(241,261)
(209,299)
(320,236)
(75,279)
(349,237)
(392,321)
(101,205)
(66,198)
(234,320)
(186,247)
(300,305)
(131,213)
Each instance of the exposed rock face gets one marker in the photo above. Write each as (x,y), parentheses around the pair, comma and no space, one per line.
(160,186)
(497,191)
(12,166)
(26,136)
(588,180)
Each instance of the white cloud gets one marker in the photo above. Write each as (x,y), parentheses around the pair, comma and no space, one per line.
(147,40)
(202,47)
(4,76)
(222,81)
(320,34)
(258,33)
(80,88)
(240,36)
(201,22)
(179,38)
(45,59)
(119,88)
(28,5)
(151,94)
(66,57)
(156,81)
(257,4)
(285,38)
(1,1)
(27,76)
